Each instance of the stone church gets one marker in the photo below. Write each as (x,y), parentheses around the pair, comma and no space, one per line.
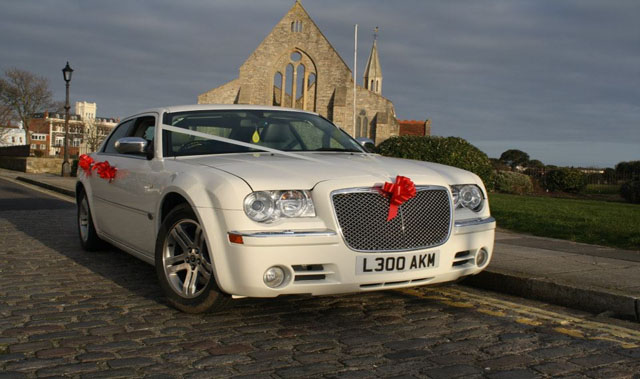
(295,66)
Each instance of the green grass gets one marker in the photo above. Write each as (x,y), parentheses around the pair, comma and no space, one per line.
(603,189)
(589,221)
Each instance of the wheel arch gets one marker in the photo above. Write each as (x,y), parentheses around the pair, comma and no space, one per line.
(79,188)
(170,201)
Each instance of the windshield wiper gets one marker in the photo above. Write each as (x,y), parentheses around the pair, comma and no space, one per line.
(337,149)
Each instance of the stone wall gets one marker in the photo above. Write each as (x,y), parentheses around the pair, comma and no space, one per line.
(32,165)
(225,94)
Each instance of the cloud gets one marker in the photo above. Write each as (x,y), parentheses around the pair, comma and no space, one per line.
(500,70)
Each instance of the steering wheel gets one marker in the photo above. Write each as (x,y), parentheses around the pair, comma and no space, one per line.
(190,145)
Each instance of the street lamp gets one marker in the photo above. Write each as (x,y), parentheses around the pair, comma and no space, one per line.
(66,167)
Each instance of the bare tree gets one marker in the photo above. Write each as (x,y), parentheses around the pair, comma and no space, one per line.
(6,115)
(92,134)
(25,94)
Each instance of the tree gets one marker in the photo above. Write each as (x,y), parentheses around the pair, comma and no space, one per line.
(535,164)
(25,94)
(514,158)
(92,134)
(5,118)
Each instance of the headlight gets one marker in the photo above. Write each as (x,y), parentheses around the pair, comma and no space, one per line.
(268,206)
(468,196)
(259,206)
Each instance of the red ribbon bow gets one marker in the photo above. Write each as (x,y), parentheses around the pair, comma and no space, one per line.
(85,163)
(400,191)
(105,171)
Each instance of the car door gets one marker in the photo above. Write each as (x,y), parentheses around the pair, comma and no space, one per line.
(125,205)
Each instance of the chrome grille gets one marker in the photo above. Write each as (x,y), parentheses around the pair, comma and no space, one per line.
(423,221)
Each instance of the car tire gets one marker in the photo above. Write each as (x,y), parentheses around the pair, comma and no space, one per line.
(89,239)
(183,264)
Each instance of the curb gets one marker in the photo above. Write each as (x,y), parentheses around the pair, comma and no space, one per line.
(590,300)
(47,186)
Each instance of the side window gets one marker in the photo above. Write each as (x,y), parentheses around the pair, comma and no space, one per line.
(145,127)
(122,130)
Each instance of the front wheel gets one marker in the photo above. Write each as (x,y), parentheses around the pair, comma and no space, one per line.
(183,264)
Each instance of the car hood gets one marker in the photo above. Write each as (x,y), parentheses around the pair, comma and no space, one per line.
(265,171)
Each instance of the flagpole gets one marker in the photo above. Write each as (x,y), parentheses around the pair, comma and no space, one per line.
(355,70)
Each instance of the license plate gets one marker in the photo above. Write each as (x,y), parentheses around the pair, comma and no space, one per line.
(396,263)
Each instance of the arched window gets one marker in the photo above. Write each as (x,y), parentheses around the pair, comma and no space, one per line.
(312,80)
(288,89)
(300,88)
(277,88)
(298,76)
(362,124)
(296,26)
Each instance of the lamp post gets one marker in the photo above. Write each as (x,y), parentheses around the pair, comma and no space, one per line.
(66,167)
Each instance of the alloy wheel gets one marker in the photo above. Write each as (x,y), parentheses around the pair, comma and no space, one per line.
(185,259)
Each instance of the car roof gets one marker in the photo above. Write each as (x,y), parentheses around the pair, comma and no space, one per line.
(211,107)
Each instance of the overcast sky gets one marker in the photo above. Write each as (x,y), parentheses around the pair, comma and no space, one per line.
(557,79)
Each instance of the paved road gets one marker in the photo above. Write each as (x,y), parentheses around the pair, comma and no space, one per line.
(67,312)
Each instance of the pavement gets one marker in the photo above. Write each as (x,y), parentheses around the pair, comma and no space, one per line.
(591,278)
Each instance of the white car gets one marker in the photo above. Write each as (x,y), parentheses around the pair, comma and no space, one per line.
(235,201)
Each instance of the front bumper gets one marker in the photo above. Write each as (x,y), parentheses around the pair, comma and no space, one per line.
(318,262)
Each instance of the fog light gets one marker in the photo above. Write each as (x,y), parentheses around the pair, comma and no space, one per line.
(274,276)
(482,256)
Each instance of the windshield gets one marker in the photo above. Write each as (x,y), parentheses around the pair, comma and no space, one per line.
(281,130)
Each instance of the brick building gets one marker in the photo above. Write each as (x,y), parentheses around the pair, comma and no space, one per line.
(86,131)
(296,66)
(415,128)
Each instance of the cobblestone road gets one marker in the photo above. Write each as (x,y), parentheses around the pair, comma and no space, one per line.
(67,312)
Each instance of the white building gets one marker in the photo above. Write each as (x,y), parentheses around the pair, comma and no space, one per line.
(12,137)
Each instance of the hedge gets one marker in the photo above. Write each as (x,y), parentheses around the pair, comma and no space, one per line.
(628,170)
(565,180)
(630,191)
(452,151)
(513,182)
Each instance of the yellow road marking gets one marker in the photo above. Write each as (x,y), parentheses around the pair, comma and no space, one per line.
(562,323)
(570,332)
(528,321)
(492,313)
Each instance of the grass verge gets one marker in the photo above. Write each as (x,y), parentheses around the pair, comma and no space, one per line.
(587,221)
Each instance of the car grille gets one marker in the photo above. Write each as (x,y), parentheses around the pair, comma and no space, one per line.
(423,221)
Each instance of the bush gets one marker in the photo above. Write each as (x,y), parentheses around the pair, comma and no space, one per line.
(513,182)
(630,191)
(565,180)
(628,170)
(38,153)
(452,151)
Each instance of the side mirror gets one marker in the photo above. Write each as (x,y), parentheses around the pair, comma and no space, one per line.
(367,143)
(133,145)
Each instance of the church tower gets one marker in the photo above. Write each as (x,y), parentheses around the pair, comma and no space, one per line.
(373,72)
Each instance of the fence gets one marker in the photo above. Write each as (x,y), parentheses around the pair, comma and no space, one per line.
(607,176)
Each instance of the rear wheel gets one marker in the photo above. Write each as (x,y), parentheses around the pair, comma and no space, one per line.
(86,231)
(183,264)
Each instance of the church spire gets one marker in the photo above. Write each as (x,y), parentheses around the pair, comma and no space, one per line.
(373,72)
